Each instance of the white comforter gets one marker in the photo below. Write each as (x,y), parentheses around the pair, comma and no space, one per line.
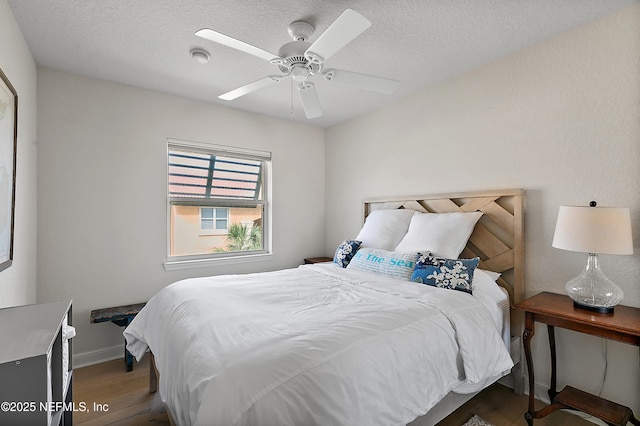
(316,345)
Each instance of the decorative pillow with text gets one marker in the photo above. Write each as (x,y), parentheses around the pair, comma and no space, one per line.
(392,264)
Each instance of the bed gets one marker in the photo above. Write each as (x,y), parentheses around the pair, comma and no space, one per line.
(355,341)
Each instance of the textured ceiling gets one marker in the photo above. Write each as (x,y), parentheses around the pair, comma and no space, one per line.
(146,43)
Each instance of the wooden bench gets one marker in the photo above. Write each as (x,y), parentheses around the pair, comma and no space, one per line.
(121,316)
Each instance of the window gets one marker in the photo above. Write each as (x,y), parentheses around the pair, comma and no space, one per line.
(214,219)
(217,202)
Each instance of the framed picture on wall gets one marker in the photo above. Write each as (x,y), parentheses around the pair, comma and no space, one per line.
(8,145)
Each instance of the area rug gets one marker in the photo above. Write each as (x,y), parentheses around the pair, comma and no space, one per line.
(477,421)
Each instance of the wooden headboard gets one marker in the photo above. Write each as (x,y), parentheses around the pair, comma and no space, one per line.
(497,238)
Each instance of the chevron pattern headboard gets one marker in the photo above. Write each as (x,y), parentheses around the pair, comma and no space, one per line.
(497,238)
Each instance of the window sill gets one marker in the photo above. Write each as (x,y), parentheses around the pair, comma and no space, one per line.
(176,265)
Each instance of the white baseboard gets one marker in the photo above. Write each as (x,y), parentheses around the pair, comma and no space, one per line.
(95,357)
(541,391)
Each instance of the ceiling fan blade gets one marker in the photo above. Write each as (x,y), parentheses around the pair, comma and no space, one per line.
(251,87)
(363,81)
(310,100)
(348,26)
(220,38)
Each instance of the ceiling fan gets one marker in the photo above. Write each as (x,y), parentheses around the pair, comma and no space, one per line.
(303,61)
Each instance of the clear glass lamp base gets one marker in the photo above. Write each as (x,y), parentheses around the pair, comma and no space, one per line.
(592,290)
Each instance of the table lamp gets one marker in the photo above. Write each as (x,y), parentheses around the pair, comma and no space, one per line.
(594,230)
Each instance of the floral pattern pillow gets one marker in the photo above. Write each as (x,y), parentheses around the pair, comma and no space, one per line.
(454,274)
(345,252)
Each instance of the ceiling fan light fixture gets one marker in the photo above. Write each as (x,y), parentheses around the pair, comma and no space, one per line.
(300,74)
(200,55)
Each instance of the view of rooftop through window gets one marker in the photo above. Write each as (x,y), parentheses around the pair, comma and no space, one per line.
(198,175)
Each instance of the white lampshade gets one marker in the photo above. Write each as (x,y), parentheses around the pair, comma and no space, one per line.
(601,230)
(594,230)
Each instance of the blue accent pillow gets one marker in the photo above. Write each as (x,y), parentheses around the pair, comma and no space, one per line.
(454,274)
(345,252)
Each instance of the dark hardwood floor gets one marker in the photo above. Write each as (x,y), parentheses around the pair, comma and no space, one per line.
(114,397)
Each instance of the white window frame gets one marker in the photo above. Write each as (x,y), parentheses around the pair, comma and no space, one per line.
(203,260)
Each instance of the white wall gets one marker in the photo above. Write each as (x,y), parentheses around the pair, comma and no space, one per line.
(102,193)
(18,283)
(560,120)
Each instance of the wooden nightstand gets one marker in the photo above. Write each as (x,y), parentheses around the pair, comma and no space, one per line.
(310,260)
(557,310)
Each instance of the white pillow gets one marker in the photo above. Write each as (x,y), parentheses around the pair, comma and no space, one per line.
(443,234)
(383,262)
(494,275)
(492,296)
(384,229)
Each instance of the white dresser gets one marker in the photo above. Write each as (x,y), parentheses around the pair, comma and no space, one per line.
(35,364)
